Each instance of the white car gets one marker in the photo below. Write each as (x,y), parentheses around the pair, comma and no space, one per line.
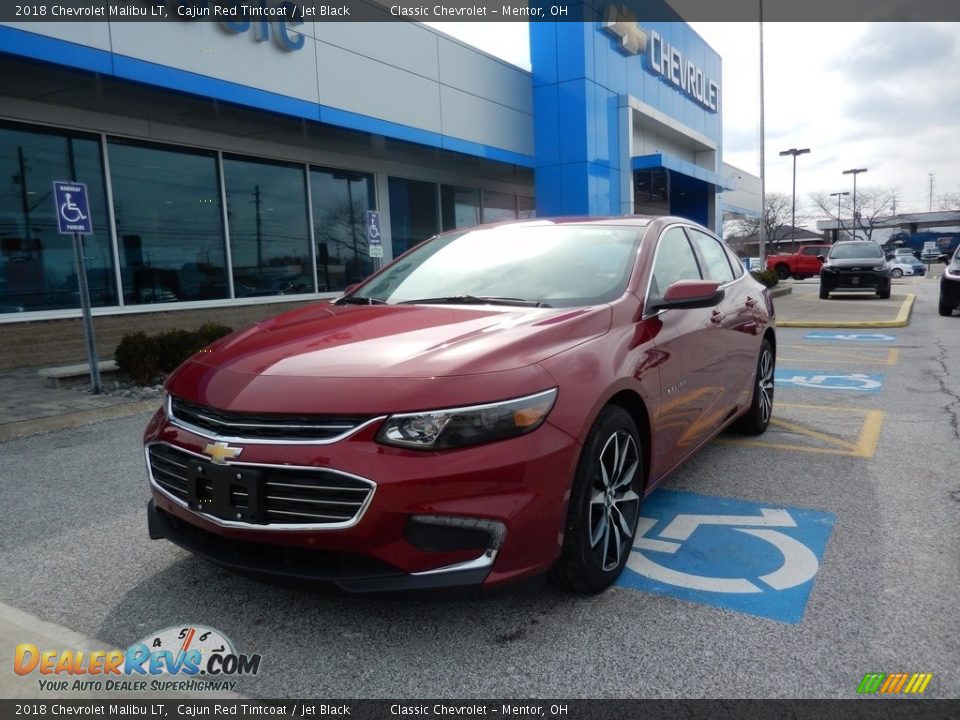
(902,265)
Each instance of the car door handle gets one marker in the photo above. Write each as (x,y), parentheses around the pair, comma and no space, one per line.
(717,317)
(750,302)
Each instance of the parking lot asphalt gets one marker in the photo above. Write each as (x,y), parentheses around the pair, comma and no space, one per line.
(803,308)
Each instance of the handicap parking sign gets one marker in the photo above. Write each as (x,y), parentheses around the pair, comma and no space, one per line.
(755,558)
(73,211)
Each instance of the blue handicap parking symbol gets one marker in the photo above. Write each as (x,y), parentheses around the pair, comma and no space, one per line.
(875,337)
(754,558)
(827,380)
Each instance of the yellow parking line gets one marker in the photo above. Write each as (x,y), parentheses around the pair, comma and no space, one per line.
(864,447)
(855,358)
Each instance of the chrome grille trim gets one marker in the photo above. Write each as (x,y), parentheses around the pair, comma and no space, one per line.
(336,522)
(211,435)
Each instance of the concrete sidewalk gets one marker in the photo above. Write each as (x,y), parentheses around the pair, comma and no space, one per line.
(28,405)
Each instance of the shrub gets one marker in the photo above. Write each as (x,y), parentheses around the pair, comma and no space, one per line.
(138,356)
(767,277)
(142,358)
(175,346)
(212,331)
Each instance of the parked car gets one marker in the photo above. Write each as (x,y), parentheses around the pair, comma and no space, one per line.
(492,405)
(950,285)
(800,265)
(855,265)
(931,255)
(902,265)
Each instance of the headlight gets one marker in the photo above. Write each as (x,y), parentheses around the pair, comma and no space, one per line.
(457,427)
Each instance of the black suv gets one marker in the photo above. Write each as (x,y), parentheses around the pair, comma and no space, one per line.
(855,265)
(950,285)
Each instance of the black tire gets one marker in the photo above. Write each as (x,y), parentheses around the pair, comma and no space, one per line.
(884,294)
(604,505)
(946,309)
(896,272)
(824,293)
(757,418)
(783,272)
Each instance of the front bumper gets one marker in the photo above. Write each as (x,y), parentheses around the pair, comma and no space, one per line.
(950,289)
(855,280)
(506,499)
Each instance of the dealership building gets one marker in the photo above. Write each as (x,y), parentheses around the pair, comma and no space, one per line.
(231,166)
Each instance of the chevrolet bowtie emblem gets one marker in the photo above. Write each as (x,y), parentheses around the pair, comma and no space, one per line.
(220,451)
(621,23)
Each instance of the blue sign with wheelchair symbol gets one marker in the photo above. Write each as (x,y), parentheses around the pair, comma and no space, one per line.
(754,558)
(73,211)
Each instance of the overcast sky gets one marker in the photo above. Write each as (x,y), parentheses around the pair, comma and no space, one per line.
(881,96)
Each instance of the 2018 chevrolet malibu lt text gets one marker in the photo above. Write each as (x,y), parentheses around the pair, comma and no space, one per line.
(491,406)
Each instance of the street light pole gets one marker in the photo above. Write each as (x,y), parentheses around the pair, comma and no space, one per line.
(793,211)
(855,218)
(838,196)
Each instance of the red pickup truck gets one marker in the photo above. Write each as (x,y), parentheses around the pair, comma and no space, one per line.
(802,264)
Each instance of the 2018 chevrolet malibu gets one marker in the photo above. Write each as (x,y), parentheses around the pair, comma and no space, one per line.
(491,406)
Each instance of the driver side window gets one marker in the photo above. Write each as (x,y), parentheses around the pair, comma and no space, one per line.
(675,261)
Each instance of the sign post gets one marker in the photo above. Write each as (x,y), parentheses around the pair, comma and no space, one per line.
(73,218)
(375,238)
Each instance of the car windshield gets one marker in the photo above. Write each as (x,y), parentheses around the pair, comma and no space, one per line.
(557,265)
(856,250)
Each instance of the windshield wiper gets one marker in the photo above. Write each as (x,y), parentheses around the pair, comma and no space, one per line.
(475,300)
(358,300)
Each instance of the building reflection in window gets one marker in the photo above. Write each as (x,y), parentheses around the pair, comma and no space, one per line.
(169,223)
(341,199)
(269,232)
(498,207)
(37,269)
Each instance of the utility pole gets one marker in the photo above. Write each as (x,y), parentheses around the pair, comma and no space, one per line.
(793,211)
(762,239)
(839,196)
(930,209)
(856,215)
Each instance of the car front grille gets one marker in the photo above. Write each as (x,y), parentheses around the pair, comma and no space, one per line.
(277,427)
(259,494)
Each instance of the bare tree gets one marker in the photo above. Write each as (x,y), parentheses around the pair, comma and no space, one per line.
(873,204)
(776,215)
(949,201)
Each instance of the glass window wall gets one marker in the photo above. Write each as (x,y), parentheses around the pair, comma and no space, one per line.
(498,206)
(459,207)
(413,213)
(341,199)
(37,270)
(169,223)
(269,232)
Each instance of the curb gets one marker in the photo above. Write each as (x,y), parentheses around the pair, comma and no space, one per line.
(780,290)
(901,320)
(23,428)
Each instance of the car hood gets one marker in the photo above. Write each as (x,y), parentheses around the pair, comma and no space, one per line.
(385,356)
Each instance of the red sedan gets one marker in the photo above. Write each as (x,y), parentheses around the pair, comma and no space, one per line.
(491,406)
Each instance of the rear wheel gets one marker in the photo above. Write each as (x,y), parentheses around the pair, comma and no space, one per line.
(604,505)
(896,272)
(783,272)
(757,418)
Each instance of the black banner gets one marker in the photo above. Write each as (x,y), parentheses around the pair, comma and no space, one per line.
(296,11)
(861,709)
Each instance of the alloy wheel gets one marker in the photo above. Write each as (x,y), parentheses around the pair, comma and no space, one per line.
(614,505)
(765,384)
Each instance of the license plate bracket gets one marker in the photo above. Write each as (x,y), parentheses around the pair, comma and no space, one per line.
(228,492)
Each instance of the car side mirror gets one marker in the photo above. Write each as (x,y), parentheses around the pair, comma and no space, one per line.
(687,295)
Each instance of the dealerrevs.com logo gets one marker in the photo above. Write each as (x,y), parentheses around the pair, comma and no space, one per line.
(180,658)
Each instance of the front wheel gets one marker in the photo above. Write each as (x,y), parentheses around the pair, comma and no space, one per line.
(946,309)
(757,418)
(824,293)
(896,272)
(604,505)
(884,294)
